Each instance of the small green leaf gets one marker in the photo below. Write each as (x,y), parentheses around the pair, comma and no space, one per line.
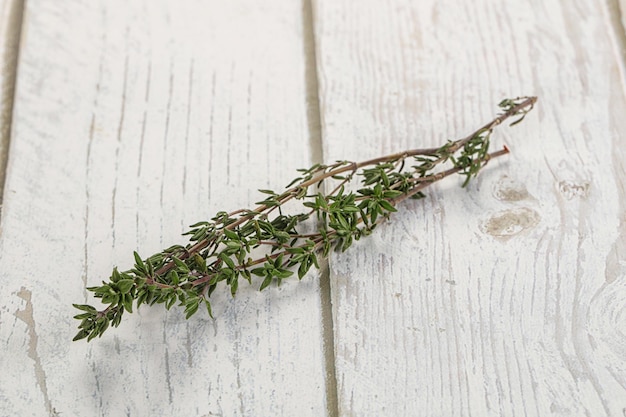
(208,308)
(392,194)
(227,260)
(142,297)
(203,223)
(180,264)
(234,283)
(92,335)
(125,285)
(387,205)
(267,281)
(127,301)
(304,268)
(351,209)
(115,275)
(231,235)
(283,273)
(84,307)
(282,236)
(200,263)
(81,335)
(191,308)
(258,271)
(270,192)
(174,278)
(247,276)
(170,301)
(138,262)
(150,268)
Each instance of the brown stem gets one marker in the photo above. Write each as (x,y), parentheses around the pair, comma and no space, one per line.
(354,166)
(316,237)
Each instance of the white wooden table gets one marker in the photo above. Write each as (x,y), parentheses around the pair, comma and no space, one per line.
(132,119)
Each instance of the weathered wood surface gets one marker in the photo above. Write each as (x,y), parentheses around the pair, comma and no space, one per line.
(510,298)
(134,119)
(10,26)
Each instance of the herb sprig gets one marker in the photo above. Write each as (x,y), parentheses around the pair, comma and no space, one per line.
(265,242)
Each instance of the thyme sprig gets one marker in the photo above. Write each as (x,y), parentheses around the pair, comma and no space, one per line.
(265,242)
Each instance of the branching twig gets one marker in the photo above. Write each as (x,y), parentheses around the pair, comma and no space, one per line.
(224,249)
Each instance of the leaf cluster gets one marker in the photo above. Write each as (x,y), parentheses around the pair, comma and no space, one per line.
(265,245)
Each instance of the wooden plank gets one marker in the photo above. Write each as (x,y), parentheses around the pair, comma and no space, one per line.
(133,120)
(10,27)
(508,298)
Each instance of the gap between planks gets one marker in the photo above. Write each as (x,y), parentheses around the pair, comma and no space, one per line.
(11,17)
(314,119)
(614,14)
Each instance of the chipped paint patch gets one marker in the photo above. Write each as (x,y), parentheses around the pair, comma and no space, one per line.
(510,222)
(27,317)
(572,189)
(509,189)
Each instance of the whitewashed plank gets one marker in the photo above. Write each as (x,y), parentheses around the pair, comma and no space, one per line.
(133,120)
(508,299)
(10,25)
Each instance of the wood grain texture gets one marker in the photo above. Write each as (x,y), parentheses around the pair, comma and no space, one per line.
(10,28)
(509,298)
(133,120)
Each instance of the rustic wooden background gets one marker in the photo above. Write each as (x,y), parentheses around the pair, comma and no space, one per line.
(125,121)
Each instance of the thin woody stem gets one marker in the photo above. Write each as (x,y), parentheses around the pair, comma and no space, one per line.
(220,248)
(317,237)
(289,194)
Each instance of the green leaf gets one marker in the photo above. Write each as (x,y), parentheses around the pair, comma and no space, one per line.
(301,193)
(258,271)
(227,260)
(180,264)
(270,192)
(282,236)
(233,246)
(314,258)
(283,273)
(373,212)
(150,268)
(247,276)
(174,278)
(267,281)
(115,275)
(117,318)
(139,263)
(142,297)
(84,307)
(208,308)
(295,250)
(234,283)
(392,194)
(304,268)
(92,335)
(231,235)
(192,307)
(203,223)
(295,180)
(351,209)
(200,263)
(127,301)
(125,285)
(387,205)
(170,301)
(81,335)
